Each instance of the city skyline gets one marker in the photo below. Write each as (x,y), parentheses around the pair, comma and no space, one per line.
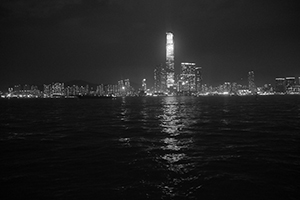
(107,41)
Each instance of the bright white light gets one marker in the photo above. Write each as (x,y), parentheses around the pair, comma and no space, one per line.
(186,63)
(169,36)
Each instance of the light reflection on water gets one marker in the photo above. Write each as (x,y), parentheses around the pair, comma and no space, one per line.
(191,145)
(152,148)
(173,120)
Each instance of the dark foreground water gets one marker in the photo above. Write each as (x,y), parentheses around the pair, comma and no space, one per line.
(151,148)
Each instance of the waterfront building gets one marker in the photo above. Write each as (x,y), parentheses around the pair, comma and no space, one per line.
(160,84)
(17,88)
(190,79)
(127,86)
(26,88)
(109,89)
(170,66)
(100,90)
(144,85)
(57,90)
(234,88)
(290,85)
(280,85)
(47,90)
(198,77)
(251,83)
(121,88)
(290,82)
(34,91)
(187,77)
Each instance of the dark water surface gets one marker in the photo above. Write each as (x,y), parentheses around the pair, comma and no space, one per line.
(151,148)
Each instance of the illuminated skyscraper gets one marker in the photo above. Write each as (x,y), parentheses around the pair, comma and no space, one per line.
(170,71)
(160,84)
(187,77)
(190,78)
(251,83)
(144,85)
(121,88)
(198,77)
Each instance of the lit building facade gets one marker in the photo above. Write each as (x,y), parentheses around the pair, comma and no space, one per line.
(100,90)
(198,77)
(144,85)
(251,83)
(57,89)
(160,79)
(290,82)
(47,90)
(280,85)
(121,88)
(190,78)
(290,85)
(127,87)
(170,70)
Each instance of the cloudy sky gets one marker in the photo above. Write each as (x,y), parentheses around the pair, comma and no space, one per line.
(102,41)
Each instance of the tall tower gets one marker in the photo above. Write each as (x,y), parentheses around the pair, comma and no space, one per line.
(251,83)
(144,85)
(170,60)
(198,74)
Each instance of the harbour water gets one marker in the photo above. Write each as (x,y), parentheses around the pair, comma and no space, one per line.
(151,148)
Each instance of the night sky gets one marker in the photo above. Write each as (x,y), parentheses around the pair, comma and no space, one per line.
(103,41)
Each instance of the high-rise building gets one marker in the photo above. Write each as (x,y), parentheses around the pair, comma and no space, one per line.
(144,85)
(290,82)
(121,88)
(57,89)
(251,83)
(190,78)
(127,86)
(280,85)
(160,84)
(17,88)
(47,90)
(198,77)
(170,70)
(100,90)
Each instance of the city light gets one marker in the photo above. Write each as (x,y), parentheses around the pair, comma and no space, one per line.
(189,83)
